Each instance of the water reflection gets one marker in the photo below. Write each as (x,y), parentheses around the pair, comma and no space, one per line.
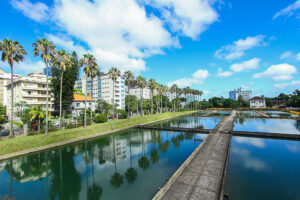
(191,122)
(128,165)
(274,113)
(268,171)
(247,113)
(288,126)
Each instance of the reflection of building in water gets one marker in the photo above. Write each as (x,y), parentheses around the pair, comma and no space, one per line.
(120,150)
(19,174)
(2,165)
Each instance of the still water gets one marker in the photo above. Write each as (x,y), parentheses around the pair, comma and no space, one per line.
(220,113)
(288,126)
(263,169)
(191,122)
(247,113)
(128,165)
(274,113)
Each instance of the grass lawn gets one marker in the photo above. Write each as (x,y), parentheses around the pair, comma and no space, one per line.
(8,146)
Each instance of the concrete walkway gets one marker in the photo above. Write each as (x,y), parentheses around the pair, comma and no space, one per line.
(201,175)
(263,114)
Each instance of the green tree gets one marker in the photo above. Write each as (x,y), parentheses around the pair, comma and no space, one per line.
(12,52)
(36,113)
(114,74)
(63,60)
(91,69)
(141,83)
(152,86)
(46,49)
(128,76)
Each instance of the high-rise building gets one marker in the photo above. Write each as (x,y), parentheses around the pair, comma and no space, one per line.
(30,89)
(246,94)
(5,78)
(103,89)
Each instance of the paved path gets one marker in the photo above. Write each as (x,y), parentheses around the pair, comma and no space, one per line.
(201,175)
(263,114)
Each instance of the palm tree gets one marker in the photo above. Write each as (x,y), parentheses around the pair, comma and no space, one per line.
(152,85)
(90,69)
(179,92)
(160,91)
(165,90)
(37,113)
(114,74)
(12,52)
(142,83)
(63,60)
(173,90)
(46,48)
(128,76)
(94,73)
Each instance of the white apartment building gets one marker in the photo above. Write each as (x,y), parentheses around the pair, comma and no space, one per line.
(138,93)
(246,94)
(30,89)
(103,89)
(257,102)
(5,78)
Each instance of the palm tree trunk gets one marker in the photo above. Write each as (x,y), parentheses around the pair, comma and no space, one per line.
(151,102)
(11,134)
(113,106)
(128,103)
(142,109)
(161,103)
(39,126)
(85,103)
(60,99)
(137,106)
(91,105)
(47,93)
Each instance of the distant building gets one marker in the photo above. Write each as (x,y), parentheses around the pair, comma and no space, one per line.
(78,104)
(246,94)
(103,89)
(257,102)
(30,89)
(5,78)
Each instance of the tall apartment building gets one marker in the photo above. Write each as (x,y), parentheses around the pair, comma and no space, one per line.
(4,80)
(103,89)
(30,89)
(246,94)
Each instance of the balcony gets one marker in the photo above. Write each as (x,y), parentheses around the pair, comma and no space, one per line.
(35,88)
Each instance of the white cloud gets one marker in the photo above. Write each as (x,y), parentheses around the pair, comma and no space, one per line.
(289,10)
(197,78)
(298,56)
(257,142)
(36,11)
(121,32)
(224,73)
(286,55)
(286,84)
(238,48)
(280,72)
(25,67)
(190,18)
(66,43)
(246,65)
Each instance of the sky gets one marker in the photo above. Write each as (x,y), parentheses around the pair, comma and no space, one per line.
(210,45)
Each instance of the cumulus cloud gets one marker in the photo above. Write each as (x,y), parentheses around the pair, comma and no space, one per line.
(287,84)
(190,18)
(36,11)
(197,78)
(257,142)
(224,73)
(289,10)
(25,67)
(280,72)
(246,65)
(238,48)
(290,55)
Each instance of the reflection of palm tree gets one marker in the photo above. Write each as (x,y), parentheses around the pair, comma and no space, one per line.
(143,161)
(163,147)
(116,179)
(154,156)
(131,173)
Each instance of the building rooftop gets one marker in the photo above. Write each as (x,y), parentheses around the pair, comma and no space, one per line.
(78,97)
(257,98)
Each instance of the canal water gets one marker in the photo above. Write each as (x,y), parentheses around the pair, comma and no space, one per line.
(191,122)
(274,113)
(220,114)
(263,169)
(129,165)
(288,126)
(247,113)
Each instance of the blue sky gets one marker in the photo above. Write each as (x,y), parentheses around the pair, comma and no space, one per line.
(210,45)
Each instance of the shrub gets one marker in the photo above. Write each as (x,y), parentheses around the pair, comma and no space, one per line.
(71,125)
(101,118)
(68,116)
